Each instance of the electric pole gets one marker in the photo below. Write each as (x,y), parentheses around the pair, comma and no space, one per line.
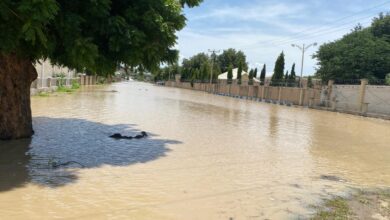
(213,56)
(304,48)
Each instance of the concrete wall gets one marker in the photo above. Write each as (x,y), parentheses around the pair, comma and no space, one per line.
(47,71)
(47,81)
(289,95)
(362,99)
(356,99)
(346,97)
(378,99)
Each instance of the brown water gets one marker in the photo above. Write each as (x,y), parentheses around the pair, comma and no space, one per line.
(207,157)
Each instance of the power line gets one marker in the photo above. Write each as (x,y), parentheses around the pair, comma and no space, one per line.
(323,32)
(320,29)
(310,36)
(317,35)
(332,23)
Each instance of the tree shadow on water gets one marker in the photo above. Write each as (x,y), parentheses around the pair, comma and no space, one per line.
(62,140)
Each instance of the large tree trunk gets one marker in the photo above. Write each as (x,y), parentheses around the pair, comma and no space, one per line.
(16,76)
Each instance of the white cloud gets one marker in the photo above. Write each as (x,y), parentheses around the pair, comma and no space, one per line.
(271,14)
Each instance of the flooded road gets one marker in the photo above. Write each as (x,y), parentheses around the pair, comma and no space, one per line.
(207,157)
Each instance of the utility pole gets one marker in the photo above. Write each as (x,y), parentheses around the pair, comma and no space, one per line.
(213,55)
(304,48)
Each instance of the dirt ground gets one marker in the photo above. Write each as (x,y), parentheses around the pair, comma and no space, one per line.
(361,204)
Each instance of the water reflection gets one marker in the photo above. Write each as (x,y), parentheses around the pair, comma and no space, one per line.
(274,124)
(65,139)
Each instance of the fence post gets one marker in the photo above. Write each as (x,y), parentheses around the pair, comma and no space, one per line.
(362,95)
(330,90)
(48,82)
(263,92)
(280,94)
(300,97)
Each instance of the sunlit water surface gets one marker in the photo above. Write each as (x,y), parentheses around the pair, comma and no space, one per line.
(207,157)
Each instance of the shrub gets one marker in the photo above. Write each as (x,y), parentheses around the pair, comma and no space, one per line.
(75,84)
(61,79)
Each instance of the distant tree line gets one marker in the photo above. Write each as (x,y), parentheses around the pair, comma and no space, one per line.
(199,66)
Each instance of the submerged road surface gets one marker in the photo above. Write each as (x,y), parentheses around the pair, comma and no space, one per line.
(206,157)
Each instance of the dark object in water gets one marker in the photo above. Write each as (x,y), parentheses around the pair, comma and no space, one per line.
(57,165)
(331,178)
(142,135)
(119,136)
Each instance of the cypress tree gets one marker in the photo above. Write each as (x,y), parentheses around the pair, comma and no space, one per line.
(251,75)
(230,74)
(239,73)
(286,78)
(262,75)
(255,73)
(279,70)
(292,74)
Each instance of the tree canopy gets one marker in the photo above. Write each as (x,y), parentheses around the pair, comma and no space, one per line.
(94,35)
(262,75)
(255,73)
(198,62)
(230,73)
(292,74)
(203,62)
(363,53)
(232,57)
(239,73)
(279,70)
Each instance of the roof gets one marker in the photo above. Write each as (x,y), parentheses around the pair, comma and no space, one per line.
(223,76)
(235,73)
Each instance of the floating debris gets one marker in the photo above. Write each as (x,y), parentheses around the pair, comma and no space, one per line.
(120,136)
(332,178)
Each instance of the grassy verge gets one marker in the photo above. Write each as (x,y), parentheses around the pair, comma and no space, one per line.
(75,86)
(360,205)
(61,89)
(43,94)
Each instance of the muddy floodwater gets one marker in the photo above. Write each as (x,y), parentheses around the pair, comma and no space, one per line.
(206,157)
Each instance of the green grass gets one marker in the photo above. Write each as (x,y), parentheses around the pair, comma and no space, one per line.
(65,89)
(43,94)
(75,86)
(336,209)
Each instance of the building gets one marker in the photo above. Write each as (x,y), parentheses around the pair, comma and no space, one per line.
(222,78)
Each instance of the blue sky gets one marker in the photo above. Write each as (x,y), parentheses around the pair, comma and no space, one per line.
(264,28)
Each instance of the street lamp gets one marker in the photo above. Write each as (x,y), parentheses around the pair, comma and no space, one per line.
(303,48)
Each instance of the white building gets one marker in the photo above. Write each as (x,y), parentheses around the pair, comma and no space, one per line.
(222,78)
